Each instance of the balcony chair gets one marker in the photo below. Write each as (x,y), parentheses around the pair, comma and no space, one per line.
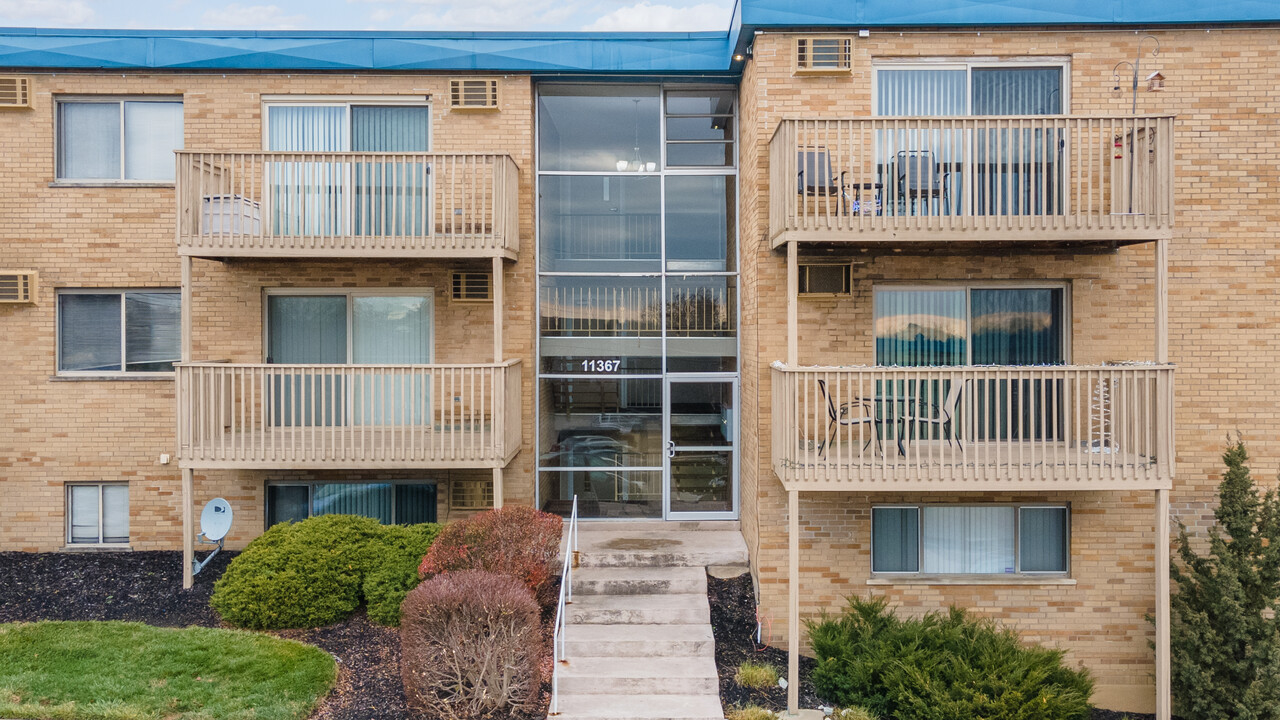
(919,177)
(943,415)
(858,411)
(816,179)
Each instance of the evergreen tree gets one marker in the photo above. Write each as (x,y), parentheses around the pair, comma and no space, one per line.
(1225,629)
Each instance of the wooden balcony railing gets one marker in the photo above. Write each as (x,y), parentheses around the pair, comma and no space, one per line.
(956,429)
(347,204)
(954,179)
(348,416)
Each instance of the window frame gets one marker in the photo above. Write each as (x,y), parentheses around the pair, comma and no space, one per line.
(101,515)
(347,102)
(422,292)
(124,339)
(1017,574)
(120,101)
(969,64)
(311,494)
(968,287)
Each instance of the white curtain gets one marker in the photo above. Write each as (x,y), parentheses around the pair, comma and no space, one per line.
(152,131)
(115,513)
(969,540)
(394,330)
(89,141)
(309,198)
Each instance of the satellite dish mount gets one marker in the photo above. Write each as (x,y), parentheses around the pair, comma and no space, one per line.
(215,523)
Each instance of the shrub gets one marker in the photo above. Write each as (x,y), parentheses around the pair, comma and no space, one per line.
(941,667)
(318,571)
(1225,631)
(750,712)
(471,646)
(852,713)
(515,540)
(756,676)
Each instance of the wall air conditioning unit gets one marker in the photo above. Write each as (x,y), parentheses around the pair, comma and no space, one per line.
(472,286)
(819,55)
(15,93)
(17,286)
(473,94)
(471,495)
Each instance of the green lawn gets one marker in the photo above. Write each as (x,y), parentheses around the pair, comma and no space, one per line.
(131,671)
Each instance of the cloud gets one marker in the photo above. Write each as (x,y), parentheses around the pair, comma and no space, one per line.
(495,14)
(255,17)
(45,12)
(645,16)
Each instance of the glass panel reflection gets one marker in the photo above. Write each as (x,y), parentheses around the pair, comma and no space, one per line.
(603,493)
(700,102)
(702,414)
(701,226)
(702,306)
(601,306)
(601,422)
(704,154)
(702,481)
(600,223)
(602,128)
(700,128)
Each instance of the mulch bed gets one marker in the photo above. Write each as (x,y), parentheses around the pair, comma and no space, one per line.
(147,587)
(733,621)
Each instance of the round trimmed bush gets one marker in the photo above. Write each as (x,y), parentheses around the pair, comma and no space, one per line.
(514,540)
(471,646)
(317,572)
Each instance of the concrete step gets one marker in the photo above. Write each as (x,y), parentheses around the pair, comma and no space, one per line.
(639,676)
(638,581)
(698,548)
(682,609)
(657,525)
(652,641)
(640,707)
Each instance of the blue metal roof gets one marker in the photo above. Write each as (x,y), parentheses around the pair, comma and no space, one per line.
(653,53)
(941,13)
(588,53)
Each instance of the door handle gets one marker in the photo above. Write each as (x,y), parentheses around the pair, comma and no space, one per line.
(671,448)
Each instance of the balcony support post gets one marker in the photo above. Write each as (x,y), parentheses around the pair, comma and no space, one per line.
(497,488)
(793,600)
(1164,655)
(185,310)
(188,529)
(498,302)
(793,303)
(1162,300)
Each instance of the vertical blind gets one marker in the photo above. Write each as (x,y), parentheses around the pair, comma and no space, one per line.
(396,331)
(921,327)
(969,540)
(371,500)
(921,92)
(1017,91)
(88,140)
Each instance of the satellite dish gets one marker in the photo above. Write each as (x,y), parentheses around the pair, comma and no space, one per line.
(215,519)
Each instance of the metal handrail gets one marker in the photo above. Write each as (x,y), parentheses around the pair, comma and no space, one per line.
(566,598)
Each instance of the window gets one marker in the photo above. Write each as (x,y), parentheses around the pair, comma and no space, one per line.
(118,140)
(970,325)
(406,503)
(823,54)
(98,514)
(969,89)
(700,128)
(107,332)
(825,279)
(970,539)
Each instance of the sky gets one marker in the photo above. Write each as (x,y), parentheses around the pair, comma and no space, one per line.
(559,15)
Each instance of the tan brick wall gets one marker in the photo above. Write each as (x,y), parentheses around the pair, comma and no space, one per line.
(55,430)
(1222,327)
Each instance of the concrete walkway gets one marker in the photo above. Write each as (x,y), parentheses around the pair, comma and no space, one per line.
(638,639)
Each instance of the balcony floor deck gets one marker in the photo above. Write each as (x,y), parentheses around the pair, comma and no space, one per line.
(974,466)
(350,447)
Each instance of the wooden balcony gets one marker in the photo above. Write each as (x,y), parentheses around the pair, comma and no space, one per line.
(961,429)
(348,416)
(1034,179)
(346,204)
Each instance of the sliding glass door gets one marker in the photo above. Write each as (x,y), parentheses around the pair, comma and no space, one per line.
(359,328)
(951,326)
(357,195)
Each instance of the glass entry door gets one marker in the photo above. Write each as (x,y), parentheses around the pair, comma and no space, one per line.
(701,458)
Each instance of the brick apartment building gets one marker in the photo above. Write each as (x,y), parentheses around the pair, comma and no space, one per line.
(901,292)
